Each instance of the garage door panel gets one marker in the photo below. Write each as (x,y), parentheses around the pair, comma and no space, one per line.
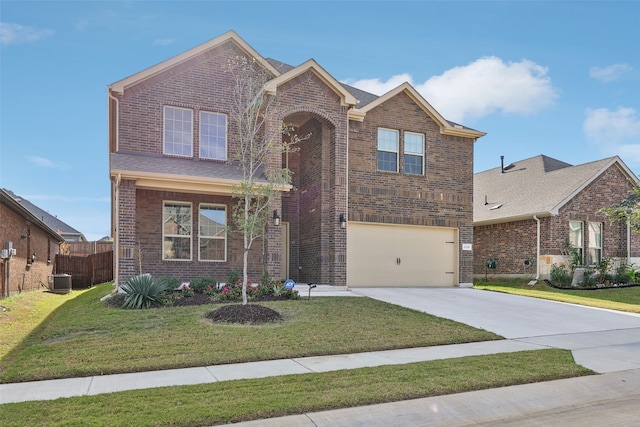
(387,255)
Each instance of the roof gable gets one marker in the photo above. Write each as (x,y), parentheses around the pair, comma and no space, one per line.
(347,99)
(229,36)
(31,212)
(538,186)
(446,127)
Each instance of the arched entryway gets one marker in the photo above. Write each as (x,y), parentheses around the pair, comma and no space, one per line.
(314,245)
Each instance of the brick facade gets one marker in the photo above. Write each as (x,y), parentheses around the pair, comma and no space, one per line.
(511,243)
(442,197)
(334,173)
(28,238)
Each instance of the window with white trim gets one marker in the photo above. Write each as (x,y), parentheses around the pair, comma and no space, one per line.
(595,242)
(387,150)
(576,236)
(413,153)
(213,232)
(213,136)
(176,231)
(178,131)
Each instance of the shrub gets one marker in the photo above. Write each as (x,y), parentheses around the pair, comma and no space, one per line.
(233,277)
(203,284)
(143,292)
(560,275)
(233,292)
(171,282)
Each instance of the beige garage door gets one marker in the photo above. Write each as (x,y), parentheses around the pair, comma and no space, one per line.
(397,255)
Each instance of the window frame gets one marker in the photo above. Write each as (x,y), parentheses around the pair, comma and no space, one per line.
(580,248)
(165,235)
(597,238)
(201,236)
(396,151)
(406,153)
(200,133)
(165,130)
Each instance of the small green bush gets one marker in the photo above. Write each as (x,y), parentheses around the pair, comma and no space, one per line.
(143,292)
(203,284)
(233,277)
(172,283)
(559,275)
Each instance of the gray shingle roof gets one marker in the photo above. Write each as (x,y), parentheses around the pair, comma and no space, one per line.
(536,186)
(191,167)
(51,224)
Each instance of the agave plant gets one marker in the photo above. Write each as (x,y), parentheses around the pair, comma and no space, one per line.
(142,291)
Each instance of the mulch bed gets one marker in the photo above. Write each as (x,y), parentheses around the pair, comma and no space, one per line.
(250,313)
(234,312)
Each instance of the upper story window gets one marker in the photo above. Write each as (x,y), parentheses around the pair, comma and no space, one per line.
(176,231)
(213,136)
(576,236)
(413,153)
(387,150)
(595,242)
(178,134)
(213,233)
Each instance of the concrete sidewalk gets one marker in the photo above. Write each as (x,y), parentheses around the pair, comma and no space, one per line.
(87,386)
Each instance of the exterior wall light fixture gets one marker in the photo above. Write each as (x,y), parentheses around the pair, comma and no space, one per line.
(343,221)
(276,218)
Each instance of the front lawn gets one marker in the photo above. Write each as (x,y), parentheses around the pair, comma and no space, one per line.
(621,299)
(232,401)
(84,337)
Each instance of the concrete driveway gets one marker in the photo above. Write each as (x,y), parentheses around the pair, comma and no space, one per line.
(601,340)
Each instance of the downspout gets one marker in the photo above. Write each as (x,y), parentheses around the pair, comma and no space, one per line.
(116,191)
(537,247)
(116,232)
(628,242)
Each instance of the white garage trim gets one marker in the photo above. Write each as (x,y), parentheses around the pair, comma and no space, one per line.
(401,255)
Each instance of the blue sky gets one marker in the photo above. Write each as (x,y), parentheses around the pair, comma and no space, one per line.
(540,77)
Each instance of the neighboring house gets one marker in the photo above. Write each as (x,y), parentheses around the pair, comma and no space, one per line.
(381,192)
(68,233)
(525,212)
(35,244)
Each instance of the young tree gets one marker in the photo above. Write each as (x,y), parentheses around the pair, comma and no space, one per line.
(259,153)
(627,210)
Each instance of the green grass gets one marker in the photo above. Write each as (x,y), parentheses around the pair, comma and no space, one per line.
(621,299)
(83,337)
(232,401)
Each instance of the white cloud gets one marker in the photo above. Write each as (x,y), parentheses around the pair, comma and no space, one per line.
(378,87)
(610,73)
(163,42)
(614,132)
(46,163)
(82,24)
(480,88)
(11,33)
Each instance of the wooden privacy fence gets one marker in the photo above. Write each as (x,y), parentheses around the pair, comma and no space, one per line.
(86,271)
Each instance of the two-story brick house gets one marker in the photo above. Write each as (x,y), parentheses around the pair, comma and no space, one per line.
(525,212)
(381,193)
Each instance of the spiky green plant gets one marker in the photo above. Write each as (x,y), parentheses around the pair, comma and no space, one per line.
(143,292)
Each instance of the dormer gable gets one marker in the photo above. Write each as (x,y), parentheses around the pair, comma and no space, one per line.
(446,127)
(347,99)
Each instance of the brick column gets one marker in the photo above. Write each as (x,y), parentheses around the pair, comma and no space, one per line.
(126,230)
